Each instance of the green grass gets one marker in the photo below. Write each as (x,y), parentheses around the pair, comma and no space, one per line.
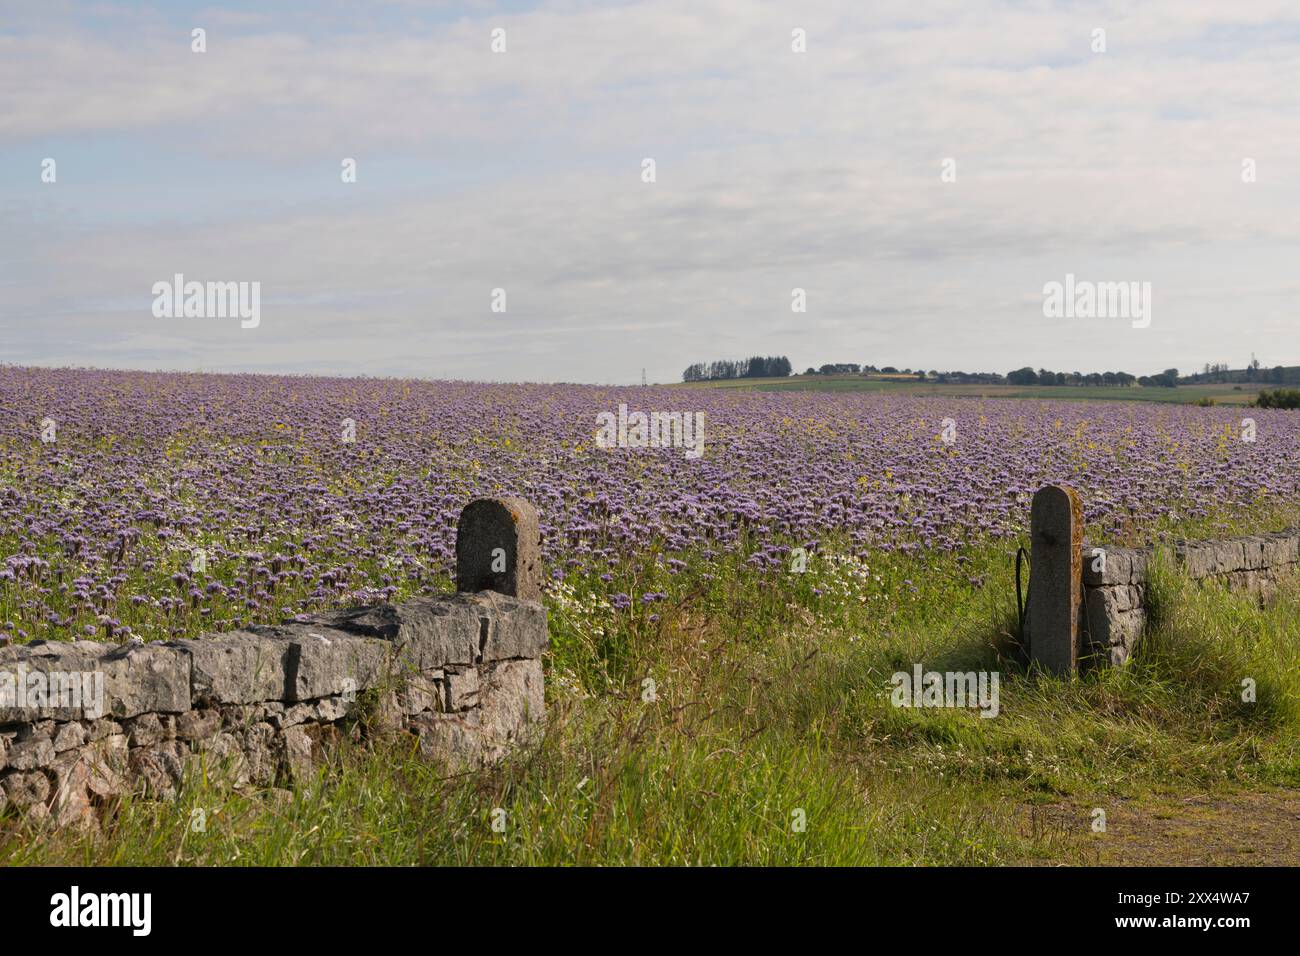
(771,707)
(1184,394)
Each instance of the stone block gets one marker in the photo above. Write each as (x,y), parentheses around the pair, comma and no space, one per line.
(31,749)
(298,746)
(108,766)
(1280,549)
(149,729)
(462,687)
(1253,553)
(1114,621)
(512,700)
(499,548)
(158,769)
(104,727)
(200,724)
(71,801)
(331,709)
(75,680)
(455,739)
(68,736)
(1116,569)
(263,749)
(26,788)
(426,633)
(1056,579)
(515,629)
(240,667)
(146,678)
(326,662)
(421,693)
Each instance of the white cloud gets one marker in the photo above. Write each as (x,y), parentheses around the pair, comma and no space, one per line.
(775,170)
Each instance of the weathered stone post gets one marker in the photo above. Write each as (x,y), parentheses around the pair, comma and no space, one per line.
(499,548)
(1055,579)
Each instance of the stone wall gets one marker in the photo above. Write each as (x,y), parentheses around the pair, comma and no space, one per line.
(1089,604)
(84,722)
(1114,589)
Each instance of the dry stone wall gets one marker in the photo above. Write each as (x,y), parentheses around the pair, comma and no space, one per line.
(84,722)
(1089,604)
(1115,582)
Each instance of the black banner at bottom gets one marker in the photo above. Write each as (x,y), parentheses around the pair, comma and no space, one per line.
(337,906)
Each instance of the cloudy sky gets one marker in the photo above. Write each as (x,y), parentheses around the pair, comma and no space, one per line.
(774,170)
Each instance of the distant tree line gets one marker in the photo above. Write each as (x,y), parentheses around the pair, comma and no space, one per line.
(966,378)
(1021,376)
(1027,376)
(853,368)
(771,366)
(1169,378)
(842,368)
(1252,373)
(779,367)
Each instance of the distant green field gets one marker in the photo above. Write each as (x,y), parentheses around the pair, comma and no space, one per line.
(1222,394)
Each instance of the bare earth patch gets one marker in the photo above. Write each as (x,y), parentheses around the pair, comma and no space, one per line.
(1238,829)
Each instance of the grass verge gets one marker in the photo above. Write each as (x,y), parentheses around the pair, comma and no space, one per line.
(745,717)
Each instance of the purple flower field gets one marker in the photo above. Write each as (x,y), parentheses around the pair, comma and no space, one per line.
(100,527)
